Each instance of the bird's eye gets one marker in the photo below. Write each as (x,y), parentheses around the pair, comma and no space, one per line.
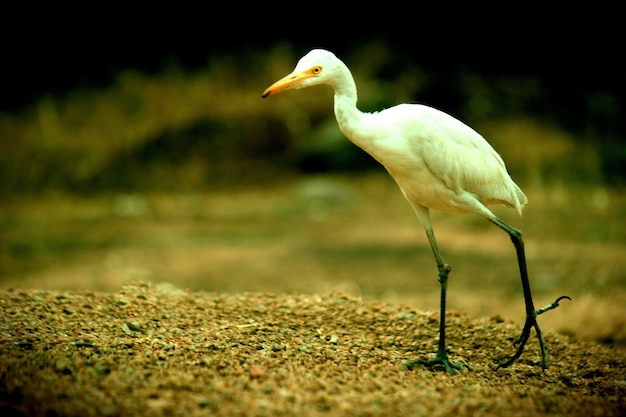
(316,70)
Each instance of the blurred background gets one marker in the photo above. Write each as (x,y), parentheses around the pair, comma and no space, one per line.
(134,145)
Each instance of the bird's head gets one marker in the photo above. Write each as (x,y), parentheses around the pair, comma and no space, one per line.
(314,68)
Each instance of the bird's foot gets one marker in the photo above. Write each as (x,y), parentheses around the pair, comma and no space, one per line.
(440,359)
(520,342)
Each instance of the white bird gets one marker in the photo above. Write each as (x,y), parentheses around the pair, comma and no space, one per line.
(437,161)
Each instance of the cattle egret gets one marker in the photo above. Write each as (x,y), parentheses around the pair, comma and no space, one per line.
(438,162)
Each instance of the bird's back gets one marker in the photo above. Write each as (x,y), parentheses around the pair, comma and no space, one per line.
(438,161)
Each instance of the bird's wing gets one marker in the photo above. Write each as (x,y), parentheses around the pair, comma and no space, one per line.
(465,161)
(461,158)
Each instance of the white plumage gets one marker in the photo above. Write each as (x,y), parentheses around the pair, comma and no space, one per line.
(437,161)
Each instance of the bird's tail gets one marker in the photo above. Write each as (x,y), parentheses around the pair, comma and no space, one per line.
(520,199)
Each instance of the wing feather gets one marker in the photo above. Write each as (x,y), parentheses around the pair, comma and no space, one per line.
(461,165)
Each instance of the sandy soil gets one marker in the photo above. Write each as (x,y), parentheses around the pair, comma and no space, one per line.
(158,350)
(352,235)
(305,298)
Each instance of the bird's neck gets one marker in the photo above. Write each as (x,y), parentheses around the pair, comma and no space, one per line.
(349,117)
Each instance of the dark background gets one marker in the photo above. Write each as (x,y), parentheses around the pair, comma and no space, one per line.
(56,50)
(575,55)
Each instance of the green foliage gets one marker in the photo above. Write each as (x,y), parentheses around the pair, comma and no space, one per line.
(209,127)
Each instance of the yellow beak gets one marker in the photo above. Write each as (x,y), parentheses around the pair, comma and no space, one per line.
(290,81)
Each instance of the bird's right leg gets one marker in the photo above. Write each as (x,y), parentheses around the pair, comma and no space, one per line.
(531,313)
(444,269)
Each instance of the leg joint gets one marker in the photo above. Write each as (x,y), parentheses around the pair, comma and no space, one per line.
(516,237)
(444,270)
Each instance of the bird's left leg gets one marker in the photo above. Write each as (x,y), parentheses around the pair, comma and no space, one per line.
(444,269)
(531,313)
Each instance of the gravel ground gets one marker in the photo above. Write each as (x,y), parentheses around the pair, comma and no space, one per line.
(158,350)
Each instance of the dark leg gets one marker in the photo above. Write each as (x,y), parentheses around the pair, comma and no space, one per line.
(442,355)
(531,313)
